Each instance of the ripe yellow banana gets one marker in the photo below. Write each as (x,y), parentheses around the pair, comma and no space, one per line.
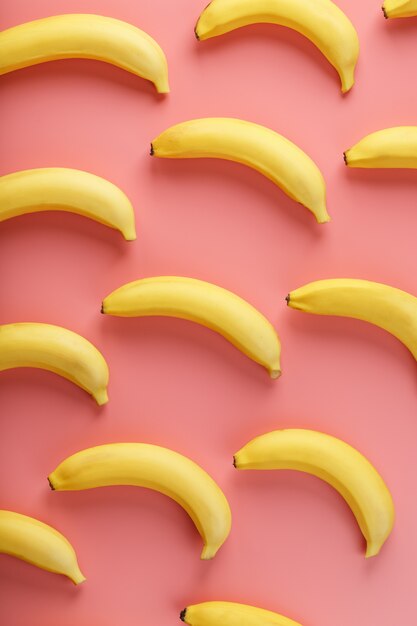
(58,350)
(82,36)
(62,189)
(335,462)
(232,614)
(39,544)
(253,145)
(399,8)
(321,21)
(387,307)
(389,148)
(206,304)
(153,467)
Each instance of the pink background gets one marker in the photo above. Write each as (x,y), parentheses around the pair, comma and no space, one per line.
(294,547)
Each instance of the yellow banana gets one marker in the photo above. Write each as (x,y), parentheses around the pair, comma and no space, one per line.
(39,544)
(206,304)
(153,467)
(399,8)
(389,148)
(62,189)
(58,350)
(253,145)
(387,307)
(321,21)
(335,462)
(232,614)
(82,36)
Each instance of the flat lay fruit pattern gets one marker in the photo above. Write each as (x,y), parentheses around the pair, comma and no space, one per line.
(293,548)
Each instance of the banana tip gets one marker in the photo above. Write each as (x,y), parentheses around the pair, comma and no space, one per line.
(384,12)
(234,462)
(196,32)
(345,158)
(287,299)
(372,550)
(275,373)
(183,614)
(325,219)
(78,578)
(101,397)
(130,235)
(102,311)
(51,483)
(209,551)
(152,151)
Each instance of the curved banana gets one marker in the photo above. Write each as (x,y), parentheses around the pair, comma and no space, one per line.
(389,148)
(63,189)
(387,307)
(321,21)
(153,467)
(253,145)
(39,544)
(232,614)
(59,350)
(399,8)
(335,462)
(206,304)
(83,36)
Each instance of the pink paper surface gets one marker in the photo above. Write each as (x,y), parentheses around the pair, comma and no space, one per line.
(295,547)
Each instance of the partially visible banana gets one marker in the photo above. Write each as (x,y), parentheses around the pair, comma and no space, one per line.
(153,467)
(232,614)
(321,21)
(57,349)
(39,544)
(387,307)
(206,304)
(84,36)
(399,8)
(253,145)
(388,148)
(335,462)
(63,189)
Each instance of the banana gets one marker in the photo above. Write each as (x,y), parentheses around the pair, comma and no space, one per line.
(335,462)
(51,189)
(232,614)
(58,350)
(203,303)
(387,307)
(253,145)
(39,544)
(153,467)
(388,148)
(321,21)
(81,36)
(399,8)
